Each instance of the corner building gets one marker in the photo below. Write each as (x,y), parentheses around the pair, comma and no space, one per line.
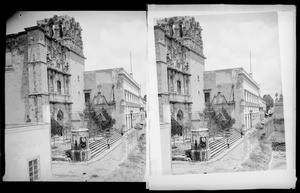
(43,81)
(236,91)
(116,91)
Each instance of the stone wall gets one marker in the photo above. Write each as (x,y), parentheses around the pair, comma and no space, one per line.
(130,141)
(252,137)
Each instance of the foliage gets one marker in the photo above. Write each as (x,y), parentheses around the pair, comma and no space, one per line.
(269,101)
(278,121)
(56,128)
(99,117)
(176,128)
(226,122)
(217,122)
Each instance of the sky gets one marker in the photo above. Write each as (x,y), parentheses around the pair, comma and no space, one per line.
(108,38)
(228,40)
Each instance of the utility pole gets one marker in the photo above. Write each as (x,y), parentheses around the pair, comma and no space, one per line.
(250,64)
(130,65)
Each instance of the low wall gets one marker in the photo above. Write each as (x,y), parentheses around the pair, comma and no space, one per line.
(251,141)
(268,128)
(130,140)
(253,136)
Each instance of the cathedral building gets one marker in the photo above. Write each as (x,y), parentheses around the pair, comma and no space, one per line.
(180,67)
(44,65)
(43,81)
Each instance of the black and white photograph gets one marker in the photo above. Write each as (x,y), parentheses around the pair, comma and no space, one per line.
(219,92)
(173,97)
(75,86)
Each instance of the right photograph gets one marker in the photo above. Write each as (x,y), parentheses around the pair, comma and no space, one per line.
(220,93)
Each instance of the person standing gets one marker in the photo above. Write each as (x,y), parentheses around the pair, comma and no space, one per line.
(108,142)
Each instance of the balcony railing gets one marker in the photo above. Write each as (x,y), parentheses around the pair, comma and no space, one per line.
(175,97)
(60,98)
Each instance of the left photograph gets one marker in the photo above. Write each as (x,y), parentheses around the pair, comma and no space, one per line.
(75,96)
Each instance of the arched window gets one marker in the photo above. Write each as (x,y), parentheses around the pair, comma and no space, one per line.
(59,87)
(60,115)
(179,86)
(179,115)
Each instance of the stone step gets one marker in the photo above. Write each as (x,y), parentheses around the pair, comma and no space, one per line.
(101,141)
(101,146)
(219,147)
(114,133)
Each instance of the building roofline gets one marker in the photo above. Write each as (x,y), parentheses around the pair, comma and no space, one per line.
(241,71)
(123,71)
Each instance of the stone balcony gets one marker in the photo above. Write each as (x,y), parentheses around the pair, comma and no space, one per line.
(182,98)
(59,98)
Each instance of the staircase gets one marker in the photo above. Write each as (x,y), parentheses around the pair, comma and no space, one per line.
(176,128)
(56,128)
(99,146)
(220,145)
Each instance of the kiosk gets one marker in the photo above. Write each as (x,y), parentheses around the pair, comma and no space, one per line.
(200,145)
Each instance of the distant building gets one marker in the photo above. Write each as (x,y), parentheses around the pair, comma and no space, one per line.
(235,90)
(262,108)
(180,67)
(116,91)
(43,81)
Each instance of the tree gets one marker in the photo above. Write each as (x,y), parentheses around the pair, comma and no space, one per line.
(99,117)
(176,128)
(218,122)
(212,120)
(226,122)
(56,129)
(269,101)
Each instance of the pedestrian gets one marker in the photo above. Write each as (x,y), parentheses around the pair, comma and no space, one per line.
(108,142)
(228,143)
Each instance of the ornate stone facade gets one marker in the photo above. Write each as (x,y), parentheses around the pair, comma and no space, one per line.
(179,52)
(47,57)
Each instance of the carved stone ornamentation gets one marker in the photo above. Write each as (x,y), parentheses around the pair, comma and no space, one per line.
(183,28)
(64,29)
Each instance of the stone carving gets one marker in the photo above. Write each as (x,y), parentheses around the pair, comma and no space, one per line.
(184,29)
(64,29)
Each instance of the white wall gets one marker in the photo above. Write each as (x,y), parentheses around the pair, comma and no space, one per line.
(14,104)
(77,86)
(23,143)
(197,86)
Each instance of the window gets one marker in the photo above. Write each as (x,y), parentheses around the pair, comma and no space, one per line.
(207,97)
(87,97)
(178,86)
(34,169)
(59,87)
